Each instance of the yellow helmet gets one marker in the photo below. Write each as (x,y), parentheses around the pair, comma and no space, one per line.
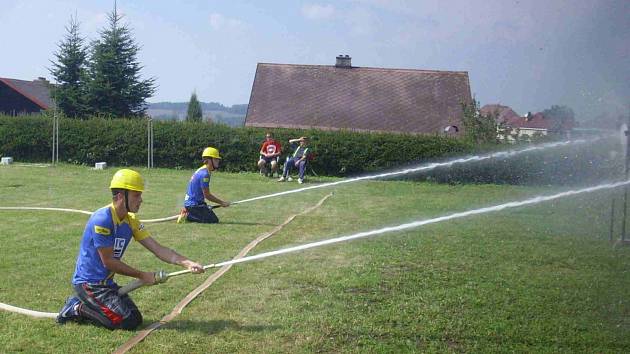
(210,152)
(127,179)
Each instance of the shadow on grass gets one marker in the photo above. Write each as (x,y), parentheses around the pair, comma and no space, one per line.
(214,326)
(246,223)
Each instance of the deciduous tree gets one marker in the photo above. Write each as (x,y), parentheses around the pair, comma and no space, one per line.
(479,128)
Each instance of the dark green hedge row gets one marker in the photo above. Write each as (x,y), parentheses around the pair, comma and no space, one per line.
(121,142)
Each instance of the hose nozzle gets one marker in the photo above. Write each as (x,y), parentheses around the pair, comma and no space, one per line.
(160,276)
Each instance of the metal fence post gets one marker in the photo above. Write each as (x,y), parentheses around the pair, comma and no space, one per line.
(54,122)
(55,137)
(625,194)
(149,142)
(612,218)
(57,140)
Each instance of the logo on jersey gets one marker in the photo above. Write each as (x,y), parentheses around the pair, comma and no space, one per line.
(271,149)
(119,247)
(102,230)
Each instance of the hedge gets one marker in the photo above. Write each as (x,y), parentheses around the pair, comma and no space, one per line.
(123,142)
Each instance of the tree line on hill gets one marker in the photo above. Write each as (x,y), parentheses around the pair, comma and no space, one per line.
(206,106)
(196,111)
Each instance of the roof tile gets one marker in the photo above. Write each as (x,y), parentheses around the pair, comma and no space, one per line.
(357,98)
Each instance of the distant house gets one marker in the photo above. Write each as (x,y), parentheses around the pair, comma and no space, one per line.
(502,113)
(23,97)
(511,124)
(343,96)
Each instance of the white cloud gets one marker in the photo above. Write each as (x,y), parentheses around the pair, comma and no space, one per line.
(219,22)
(318,12)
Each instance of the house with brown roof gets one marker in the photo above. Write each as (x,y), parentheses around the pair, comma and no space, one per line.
(343,96)
(501,113)
(512,126)
(23,97)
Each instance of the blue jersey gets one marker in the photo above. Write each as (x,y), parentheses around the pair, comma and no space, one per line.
(103,230)
(199,180)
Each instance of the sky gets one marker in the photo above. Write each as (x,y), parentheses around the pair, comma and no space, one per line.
(528,55)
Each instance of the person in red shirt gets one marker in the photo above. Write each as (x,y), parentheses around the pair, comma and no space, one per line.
(269,154)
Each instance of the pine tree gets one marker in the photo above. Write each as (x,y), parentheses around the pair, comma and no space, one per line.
(115,87)
(194,109)
(69,72)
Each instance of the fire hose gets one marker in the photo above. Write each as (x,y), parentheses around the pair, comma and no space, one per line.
(163,277)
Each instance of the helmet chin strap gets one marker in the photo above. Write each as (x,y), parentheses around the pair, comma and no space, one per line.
(212,163)
(127,199)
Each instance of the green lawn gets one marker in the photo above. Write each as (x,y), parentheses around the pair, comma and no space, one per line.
(541,278)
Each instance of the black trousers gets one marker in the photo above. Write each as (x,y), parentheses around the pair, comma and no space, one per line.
(202,214)
(102,305)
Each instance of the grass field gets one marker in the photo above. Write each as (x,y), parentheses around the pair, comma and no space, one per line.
(541,278)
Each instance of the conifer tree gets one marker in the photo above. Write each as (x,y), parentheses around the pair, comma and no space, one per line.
(69,72)
(194,109)
(115,87)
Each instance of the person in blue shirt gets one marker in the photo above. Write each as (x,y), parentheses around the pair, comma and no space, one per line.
(297,160)
(107,234)
(195,207)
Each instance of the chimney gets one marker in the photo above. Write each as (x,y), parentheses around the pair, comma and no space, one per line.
(42,79)
(343,61)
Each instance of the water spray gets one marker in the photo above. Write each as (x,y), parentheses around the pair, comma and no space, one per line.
(539,199)
(162,276)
